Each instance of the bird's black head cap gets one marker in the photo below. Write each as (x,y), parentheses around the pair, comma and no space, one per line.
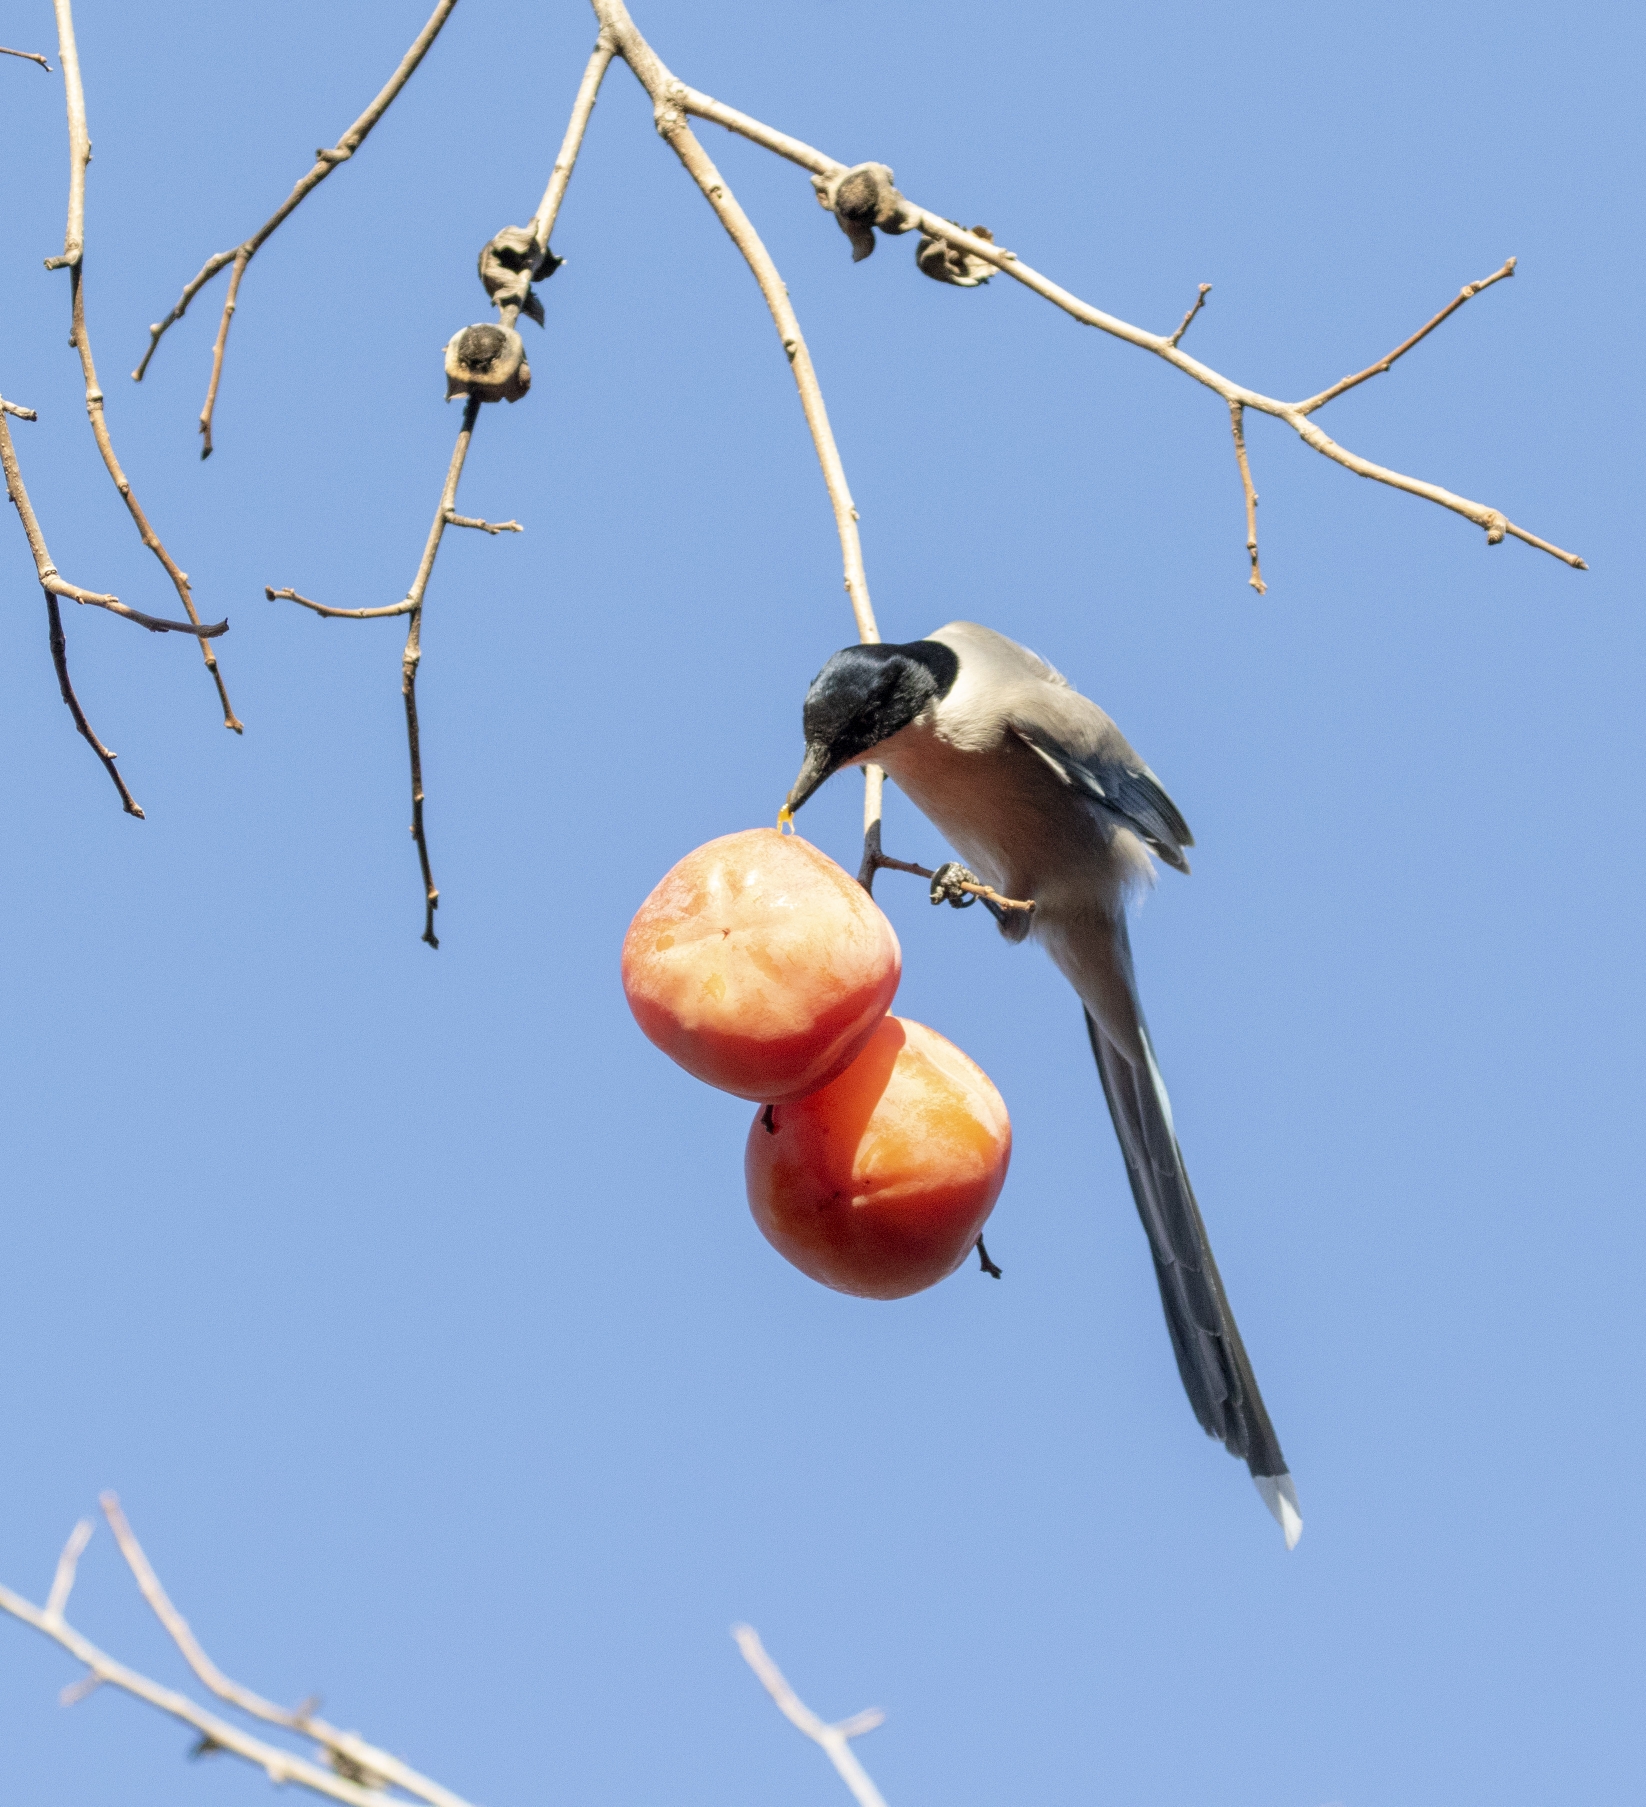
(863,696)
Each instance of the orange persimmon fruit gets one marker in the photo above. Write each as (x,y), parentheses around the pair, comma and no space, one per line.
(760,965)
(880,1183)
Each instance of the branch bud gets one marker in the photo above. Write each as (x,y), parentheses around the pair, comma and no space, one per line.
(509,266)
(861,199)
(943,262)
(488,362)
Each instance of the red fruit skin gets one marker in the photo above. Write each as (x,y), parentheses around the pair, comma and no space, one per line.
(760,966)
(880,1184)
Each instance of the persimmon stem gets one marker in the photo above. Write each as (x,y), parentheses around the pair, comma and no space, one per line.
(983,1257)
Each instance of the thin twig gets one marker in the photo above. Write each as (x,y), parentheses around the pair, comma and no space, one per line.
(354,1750)
(14,408)
(835,1740)
(1466,293)
(1188,318)
(62,1583)
(463,520)
(1294,414)
(73,259)
(75,1692)
(55,586)
(325,162)
(976,887)
(28,56)
(413,657)
(320,608)
(60,660)
(1237,419)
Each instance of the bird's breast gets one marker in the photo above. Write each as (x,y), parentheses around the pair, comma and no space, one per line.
(1008,816)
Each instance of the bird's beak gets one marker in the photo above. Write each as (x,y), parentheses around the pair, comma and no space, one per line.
(817,765)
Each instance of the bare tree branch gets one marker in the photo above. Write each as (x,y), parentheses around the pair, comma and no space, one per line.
(1165,346)
(73,259)
(325,162)
(55,586)
(347,1745)
(446,514)
(29,56)
(835,1740)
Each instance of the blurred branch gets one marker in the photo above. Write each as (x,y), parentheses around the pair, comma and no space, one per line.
(73,260)
(353,1750)
(357,1773)
(325,161)
(835,1740)
(28,56)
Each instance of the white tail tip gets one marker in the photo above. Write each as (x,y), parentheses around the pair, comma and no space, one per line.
(1280,1496)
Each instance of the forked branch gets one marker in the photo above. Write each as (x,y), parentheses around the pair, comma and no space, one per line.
(1164,345)
(834,1740)
(412,604)
(73,260)
(446,514)
(325,161)
(348,1770)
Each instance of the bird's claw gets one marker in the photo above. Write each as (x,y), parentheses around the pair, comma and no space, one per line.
(946,883)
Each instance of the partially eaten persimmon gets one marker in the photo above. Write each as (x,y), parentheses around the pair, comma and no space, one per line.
(880,1183)
(760,965)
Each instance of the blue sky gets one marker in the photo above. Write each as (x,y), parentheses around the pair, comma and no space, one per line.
(410,1300)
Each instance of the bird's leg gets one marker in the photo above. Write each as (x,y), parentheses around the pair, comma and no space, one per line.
(954,884)
(946,886)
(960,887)
(988,1266)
